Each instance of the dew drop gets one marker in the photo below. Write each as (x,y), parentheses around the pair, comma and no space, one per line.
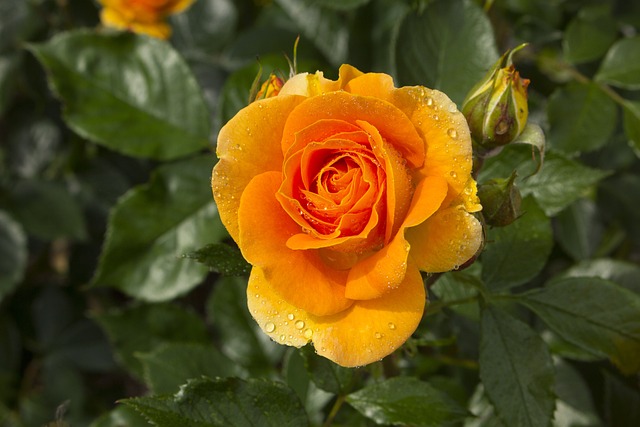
(452,108)
(270,327)
(378,335)
(436,117)
(392,326)
(299,324)
(452,133)
(429,101)
(308,334)
(453,174)
(290,316)
(282,337)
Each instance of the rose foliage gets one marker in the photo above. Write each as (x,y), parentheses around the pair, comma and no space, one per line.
(208,219)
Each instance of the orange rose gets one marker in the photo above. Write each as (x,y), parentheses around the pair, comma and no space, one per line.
(339,193)
(141,16)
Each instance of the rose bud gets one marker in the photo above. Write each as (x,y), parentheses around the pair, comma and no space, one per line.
(496,108)
(501,200)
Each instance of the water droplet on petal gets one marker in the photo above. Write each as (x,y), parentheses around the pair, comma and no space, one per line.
(290,316)
(392,326)
(453,174)
(270,327)
(299,324)
(282,337)
(452,133)
(378,335)
(308,334)
(452,108)
(429,101)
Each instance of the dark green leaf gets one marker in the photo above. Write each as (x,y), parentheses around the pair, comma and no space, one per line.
(574,407)
(153,225)
(560,182)
(631,122)
(460,286)
(32,145)
(581,118)
(142,329)
(533,135)
(221,258)
(9,69)
(13,254)
(590,34)
(241,337)
(47,210)
(621,66)
(593,313)
(229,402)
(618,196)
(325,374)
(516,370)
(18,20)
(170,365)
(324,27)
(131,93)
(516,253)
(121,416)
(621,402)
(579,230)
(205,27)
(449,47)
(407,400)
(341,4)
(625,274)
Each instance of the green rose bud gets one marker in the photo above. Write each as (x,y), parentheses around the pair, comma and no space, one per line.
(496,108)
(500,200)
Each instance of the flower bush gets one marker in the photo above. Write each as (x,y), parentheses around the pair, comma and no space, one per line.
(353,193)
(339,193)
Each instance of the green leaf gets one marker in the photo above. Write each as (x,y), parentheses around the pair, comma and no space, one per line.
(47,210)
(579,230)
(205,27)
(449,47)
(324,27)
(406,400)
(581,118)
(242,339)
(13,254)
(631,121)
(574,407)
(621,65)
(327,375)
(590,34)
(560,182)
(121,416)
(33,143)
(533,135)
(593,313)
(516,370)
(621,402)
(131,93)
(143,328)
(221,258)
(18,21)
(170,365)
(9,69)
(625,274)
(229,402)
(153,225)
(619,195)
(341,4)
(460,286)
(517,253)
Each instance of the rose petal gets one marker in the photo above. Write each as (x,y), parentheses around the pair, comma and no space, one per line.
(447,136)
(384,270)
(366,332)
(300,277)
(376,85)
(393,125)
(446,240)
(248,145)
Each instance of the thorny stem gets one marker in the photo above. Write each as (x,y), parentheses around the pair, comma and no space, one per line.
(334,410)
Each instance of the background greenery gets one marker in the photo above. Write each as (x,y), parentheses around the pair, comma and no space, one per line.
(118,283)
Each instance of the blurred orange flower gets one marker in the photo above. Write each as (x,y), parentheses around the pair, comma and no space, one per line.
(142,16)
(339,193)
